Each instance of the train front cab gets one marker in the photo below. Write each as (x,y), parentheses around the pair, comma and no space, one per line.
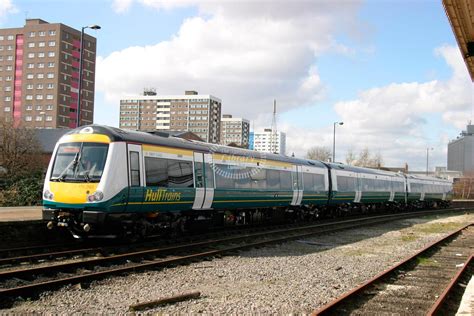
(84,179)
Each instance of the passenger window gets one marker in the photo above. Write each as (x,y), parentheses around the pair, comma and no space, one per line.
(134,169)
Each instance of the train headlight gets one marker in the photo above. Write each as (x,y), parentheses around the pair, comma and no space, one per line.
(48,195)
(95,197)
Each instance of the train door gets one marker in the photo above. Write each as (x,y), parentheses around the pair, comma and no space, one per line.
(203,181)
(135,177)
(297,185)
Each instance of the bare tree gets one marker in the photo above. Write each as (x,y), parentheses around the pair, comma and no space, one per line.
(351,157)
(319,153)
(19,150)
(364,159)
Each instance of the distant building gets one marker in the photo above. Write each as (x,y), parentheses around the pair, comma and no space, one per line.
(200,114)
(251,140)
(235,130)
(461,152)
(39,75)
(269,142)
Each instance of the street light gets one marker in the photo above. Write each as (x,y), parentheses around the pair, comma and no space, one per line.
(334,141)
(427,155)
(78,115)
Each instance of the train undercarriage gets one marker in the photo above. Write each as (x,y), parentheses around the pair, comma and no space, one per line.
(133,226)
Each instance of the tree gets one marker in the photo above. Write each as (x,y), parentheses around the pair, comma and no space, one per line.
(19,150)
(351,157)
(319,153)
(364,159)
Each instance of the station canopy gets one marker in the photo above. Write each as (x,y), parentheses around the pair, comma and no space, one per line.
(461,16)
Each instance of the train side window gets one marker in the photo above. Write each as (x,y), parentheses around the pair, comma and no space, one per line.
(224,176)
(134,168)
(319,182)
(180,174)
(286,180)
(308,182)
(273,179)
(156,171)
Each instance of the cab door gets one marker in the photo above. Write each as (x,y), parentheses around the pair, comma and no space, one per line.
(135,177)
(203,181)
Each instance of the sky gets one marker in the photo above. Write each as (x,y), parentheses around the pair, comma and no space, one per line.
(390,70)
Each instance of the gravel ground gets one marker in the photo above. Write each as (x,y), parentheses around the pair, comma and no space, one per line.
(294,277)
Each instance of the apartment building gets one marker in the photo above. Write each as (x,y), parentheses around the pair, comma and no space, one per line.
(268,141)
(235,130)
(39,75)
(200,114)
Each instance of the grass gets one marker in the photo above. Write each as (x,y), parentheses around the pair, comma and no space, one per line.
(435,228)
(409,238)
(422,261)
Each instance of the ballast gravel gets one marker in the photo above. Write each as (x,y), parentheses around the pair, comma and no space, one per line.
(291,278)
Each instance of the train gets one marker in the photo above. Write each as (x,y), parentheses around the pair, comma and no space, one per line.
(107,182)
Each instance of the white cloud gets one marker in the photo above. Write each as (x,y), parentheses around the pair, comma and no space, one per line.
(247,53)
(395,120)
(121,6)
(6,7)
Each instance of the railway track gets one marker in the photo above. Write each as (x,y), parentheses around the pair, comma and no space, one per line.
(56,251)
(28,281)
(422,284)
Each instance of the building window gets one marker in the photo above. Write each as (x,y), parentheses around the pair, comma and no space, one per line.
(41,44)
(50,86)
(32,34)
(40,65)
(8,98)
(31,55)
(49,97)
(39,118)
(49,118)
(39,97)
(42,33)
(9,57)
(31,66)
(28,118)
(29,86)
(8,78)
(51,54)
(10,38)
(52,43)
(40,76)
(29,107)
(1,38)
(29,97)
(8,88)
(29,76)
(1,48)
(49,107)
(50,65)
(6,109)
(41,55)
(9,68)
(52,32)
(31,44)
(9,47)
(50,75)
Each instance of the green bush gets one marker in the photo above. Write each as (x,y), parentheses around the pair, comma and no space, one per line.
(25,190)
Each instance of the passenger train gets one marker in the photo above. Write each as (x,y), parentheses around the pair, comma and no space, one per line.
(107,182)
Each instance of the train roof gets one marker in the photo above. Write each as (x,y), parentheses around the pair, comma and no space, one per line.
(120,135)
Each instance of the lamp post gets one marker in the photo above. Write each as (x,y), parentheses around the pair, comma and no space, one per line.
(79,88)
(427,157)
(334,141)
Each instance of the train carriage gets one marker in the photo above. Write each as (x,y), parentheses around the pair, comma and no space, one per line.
(106,180)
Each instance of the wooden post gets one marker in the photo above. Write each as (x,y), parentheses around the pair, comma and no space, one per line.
(162,301)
